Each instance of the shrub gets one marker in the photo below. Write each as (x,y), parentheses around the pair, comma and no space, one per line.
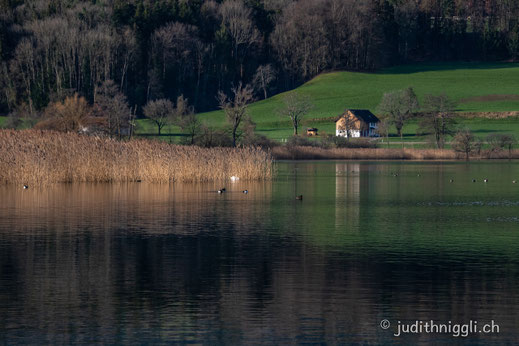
(299,141)
(13,121)
(72,115)
(256,140)
(331,141)
(499,142)
(210,137)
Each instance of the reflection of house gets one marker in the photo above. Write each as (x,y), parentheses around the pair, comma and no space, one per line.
(311,131)
(356,123)
(347,196)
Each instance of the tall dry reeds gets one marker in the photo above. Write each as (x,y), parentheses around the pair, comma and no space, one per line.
(32,156)
(315,153)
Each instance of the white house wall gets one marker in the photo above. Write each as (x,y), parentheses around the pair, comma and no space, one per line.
(372,132)
(344,133)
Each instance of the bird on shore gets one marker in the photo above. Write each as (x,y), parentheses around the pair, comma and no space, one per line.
(25,187)
(300,197)
(222,190)
(245,191)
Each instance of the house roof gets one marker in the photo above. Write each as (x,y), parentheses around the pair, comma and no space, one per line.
(362,114)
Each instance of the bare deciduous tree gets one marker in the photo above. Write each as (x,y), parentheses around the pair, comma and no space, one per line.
(438,118)
(299,38)
(499,142)
(264,76)
(237,19)
(235,106)
(186,118)
(161,112)
(174,43)
(296,107)
(112,104)
(383,129)
(182,107)
(191,126)
(463,142)
(399,106)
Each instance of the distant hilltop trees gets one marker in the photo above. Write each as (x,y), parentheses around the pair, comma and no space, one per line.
(151,50)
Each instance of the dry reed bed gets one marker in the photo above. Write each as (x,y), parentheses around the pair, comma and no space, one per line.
(32,156)
(313,153)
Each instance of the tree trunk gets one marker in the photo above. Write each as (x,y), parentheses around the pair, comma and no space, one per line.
(398,130)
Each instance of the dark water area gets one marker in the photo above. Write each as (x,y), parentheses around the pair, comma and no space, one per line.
(179,263)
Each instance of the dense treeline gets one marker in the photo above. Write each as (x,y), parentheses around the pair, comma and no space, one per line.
(50,49)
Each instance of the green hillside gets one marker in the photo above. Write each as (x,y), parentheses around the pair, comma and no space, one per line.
(477,87)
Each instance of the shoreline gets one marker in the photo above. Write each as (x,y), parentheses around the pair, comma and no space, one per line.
(298,153)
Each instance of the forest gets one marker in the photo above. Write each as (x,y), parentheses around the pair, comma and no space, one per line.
(146,50)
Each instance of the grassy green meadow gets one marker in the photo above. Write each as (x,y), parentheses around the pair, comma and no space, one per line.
(477,87)
(470,84)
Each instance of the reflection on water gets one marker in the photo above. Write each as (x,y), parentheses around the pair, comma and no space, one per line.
(347,187)
(139,263)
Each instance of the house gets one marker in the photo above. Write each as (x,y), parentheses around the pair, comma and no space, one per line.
(311,131)
(356,123)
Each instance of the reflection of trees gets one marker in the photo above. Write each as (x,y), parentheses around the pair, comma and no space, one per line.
(114,263)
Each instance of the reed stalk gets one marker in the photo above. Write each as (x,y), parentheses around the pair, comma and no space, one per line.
(41,157)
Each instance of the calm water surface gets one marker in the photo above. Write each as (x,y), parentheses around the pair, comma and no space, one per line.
(142,263)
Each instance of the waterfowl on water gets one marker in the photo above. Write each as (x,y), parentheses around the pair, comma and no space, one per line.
(451,181)
(245,191)
(513,181)
(485,180)
(300,197)
(473,180)
(25,187)
(222,190)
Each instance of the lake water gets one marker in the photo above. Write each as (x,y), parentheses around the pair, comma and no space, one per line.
(142,263)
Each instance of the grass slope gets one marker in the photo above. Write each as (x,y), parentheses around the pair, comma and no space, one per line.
(478,87)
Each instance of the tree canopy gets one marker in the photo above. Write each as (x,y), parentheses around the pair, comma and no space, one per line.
(51,49)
